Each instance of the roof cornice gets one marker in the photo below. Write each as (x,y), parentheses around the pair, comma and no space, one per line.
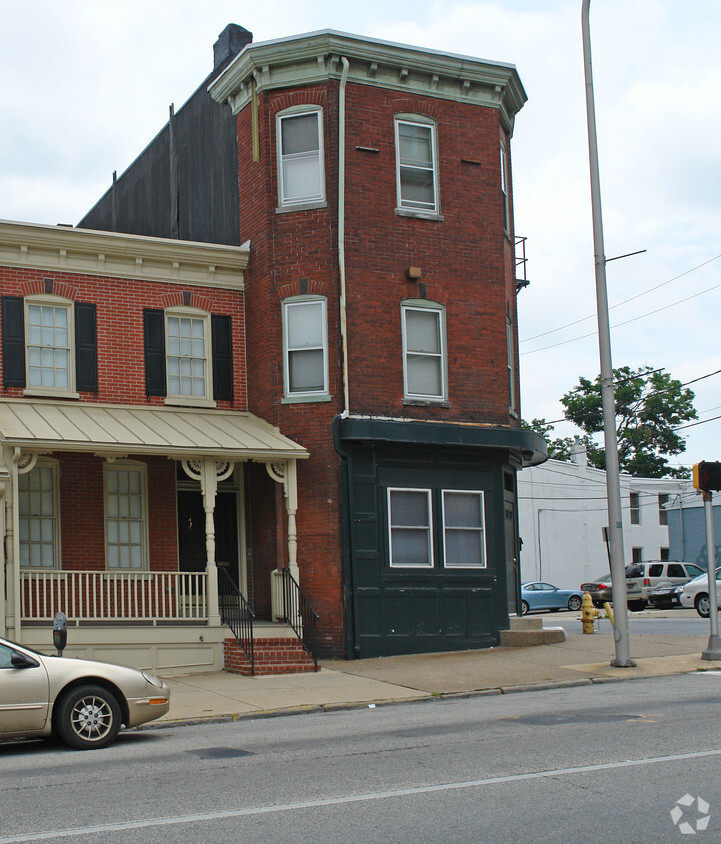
(88,252)
(315,57)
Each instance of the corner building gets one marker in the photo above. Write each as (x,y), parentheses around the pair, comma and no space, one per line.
(375,198)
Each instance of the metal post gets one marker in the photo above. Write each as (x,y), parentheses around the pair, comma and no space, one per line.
(713,651)
(613,487)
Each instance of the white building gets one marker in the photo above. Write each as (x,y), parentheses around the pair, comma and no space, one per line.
(563,512)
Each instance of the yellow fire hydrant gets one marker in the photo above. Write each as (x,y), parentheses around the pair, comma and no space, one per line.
(589,613)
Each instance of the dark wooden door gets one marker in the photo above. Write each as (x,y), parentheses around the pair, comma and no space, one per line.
(191,532)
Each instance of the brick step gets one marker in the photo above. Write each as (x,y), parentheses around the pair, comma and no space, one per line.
(272,656)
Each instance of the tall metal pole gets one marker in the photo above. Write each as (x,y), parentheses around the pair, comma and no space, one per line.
(613,486)
(713,649)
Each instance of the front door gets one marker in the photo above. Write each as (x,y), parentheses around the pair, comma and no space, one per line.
(191,532)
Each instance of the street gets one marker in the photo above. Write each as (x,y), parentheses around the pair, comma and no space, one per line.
(608,761)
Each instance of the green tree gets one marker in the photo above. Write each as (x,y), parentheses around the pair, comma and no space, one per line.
(649,405)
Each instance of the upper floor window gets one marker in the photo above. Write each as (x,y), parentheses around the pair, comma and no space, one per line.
(38,516)
(424,354)
(49,345)
(511,354)
(635,505)
(504,190)
(188,356)
(416,165)
(305,348)
(663,500)
(300,157)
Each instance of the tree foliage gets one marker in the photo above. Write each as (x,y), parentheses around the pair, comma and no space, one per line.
(650,404)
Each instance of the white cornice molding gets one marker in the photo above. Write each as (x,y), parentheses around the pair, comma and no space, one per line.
(111,254)
(315,57)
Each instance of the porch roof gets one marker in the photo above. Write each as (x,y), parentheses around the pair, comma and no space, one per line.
(113,429)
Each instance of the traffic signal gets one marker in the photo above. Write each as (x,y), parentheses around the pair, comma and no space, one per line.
(707,476)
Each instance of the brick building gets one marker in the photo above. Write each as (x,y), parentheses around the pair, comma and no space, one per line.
(374,211)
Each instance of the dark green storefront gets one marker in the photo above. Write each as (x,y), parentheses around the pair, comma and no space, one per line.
(430,533)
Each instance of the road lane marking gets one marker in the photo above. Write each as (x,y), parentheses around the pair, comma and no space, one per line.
(354,798)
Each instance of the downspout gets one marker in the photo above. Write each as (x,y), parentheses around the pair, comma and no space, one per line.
(341,229)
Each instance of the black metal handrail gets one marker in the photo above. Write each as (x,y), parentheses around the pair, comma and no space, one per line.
(300,614)
(235,611)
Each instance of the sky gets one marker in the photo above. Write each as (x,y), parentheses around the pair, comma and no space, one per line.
(85,86)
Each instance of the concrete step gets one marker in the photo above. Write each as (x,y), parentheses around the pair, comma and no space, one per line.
(526,632)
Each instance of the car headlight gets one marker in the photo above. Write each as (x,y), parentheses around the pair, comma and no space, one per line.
(152,679)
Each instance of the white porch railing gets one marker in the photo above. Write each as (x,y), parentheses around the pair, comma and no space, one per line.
(114,596)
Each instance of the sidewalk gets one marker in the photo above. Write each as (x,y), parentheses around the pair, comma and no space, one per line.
(581,659)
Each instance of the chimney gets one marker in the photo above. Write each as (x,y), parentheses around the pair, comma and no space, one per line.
(578,452)
(230,42)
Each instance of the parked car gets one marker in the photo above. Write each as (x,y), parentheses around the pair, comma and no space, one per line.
(643,578)
(538,595)
(82,702)
(599,589)
(664,597)
(695,593)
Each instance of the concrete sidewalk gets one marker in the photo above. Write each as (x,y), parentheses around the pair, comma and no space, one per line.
(581,659)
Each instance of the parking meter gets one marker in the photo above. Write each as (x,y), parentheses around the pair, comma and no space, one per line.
(60,632)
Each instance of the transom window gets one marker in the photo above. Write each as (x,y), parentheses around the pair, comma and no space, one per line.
(306,348)
(187,355)
(48,344)
(416,166)
(300,157)
(424,367)
(125,517)
(38,509)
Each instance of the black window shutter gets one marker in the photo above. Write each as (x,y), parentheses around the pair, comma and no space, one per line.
(154,334)
(13,343)
(221,329)
(86,347)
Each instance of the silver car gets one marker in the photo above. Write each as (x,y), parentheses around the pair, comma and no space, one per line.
(82,702)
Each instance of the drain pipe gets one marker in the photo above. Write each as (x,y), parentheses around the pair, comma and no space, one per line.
(341,230)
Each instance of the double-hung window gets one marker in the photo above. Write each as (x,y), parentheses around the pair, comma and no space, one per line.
(504,190)
(300,157)
(125,516)
(38,517)
(187,355)
(634,499)
(464,540)
(424,358)
(305,347)
(48,345)
(410,528)
(416,166)
(511,355)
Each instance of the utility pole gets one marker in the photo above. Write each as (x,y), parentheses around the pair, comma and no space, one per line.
(613,486)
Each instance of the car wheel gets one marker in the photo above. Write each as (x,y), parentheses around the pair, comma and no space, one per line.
(703,606)
(574,603)
(88,717)
(524,607)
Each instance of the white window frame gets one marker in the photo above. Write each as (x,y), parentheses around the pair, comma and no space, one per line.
(663,500)
(428,529)
(308,200)
(511,352)
(409,206)
(634,504)
(288,306)
(504,190)
(175,398)
(439,311)
(58,303)
(43,464)
(108,516)
(481,530)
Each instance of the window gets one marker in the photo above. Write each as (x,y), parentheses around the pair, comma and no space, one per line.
(125,519)
(305,346)
(635,503)
(48,330)
(504,190)
(665,555)
(511,352)
(300,157)
(38,510)
(411,535)
(416,166)
(464,544)
(663,500)
(636,555)
(424,365)
(187,355)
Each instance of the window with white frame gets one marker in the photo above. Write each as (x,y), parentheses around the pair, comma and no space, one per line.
(511,353)
(416,165)
(410,528)
(48,344)
(305,345)
(464,542)
(300,157)
(663,500)
(634,499)
(424,364)
(125,516)
(38,517)
(187,336)
(504,189)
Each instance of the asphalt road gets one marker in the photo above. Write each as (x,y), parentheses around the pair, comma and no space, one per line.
(605,762)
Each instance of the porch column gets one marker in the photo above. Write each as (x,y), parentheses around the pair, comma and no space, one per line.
(20,464)
(5,537)
(285,473)
(209,471)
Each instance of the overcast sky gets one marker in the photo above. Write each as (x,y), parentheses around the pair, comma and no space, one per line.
(84,86)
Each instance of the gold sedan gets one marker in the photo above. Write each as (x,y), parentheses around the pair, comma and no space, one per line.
(82,702)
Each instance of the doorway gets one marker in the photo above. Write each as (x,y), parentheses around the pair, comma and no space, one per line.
(191,532)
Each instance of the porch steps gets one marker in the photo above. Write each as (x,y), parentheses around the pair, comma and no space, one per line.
(525,632)
(279,655)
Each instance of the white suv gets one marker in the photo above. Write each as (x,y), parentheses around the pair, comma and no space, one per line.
(641,578)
